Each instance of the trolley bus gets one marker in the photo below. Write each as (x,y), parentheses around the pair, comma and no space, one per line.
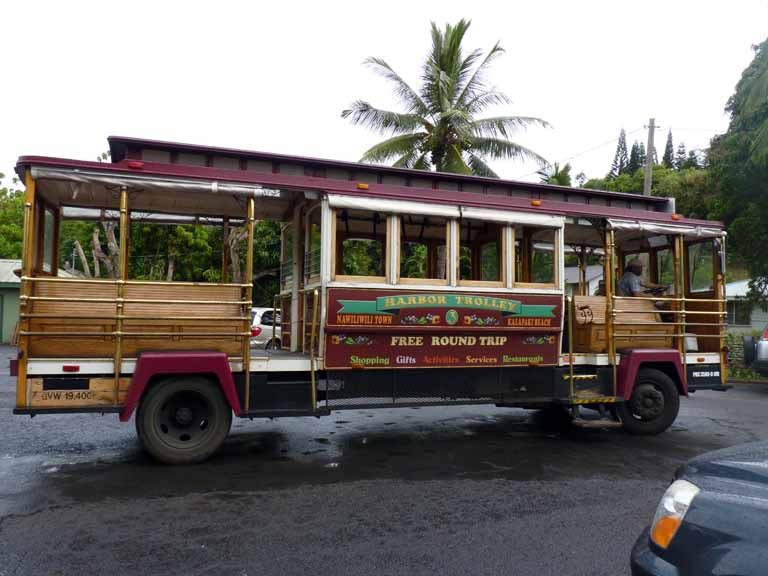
(397,288)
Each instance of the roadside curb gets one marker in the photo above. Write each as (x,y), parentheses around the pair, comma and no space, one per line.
(738,381)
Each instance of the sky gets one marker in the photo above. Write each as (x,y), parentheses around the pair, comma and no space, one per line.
(275,76)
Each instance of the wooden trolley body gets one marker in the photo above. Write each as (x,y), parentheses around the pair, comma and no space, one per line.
(397,287)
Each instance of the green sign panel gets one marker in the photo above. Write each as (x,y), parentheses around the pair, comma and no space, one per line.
(395,303)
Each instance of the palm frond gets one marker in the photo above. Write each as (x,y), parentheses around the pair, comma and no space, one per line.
(482,100)
(454,162)
(479,167)
(422,163)
(383,121)
(407,95)
(396,146)
(497,148)
(505,126)
(475,83)
(406,160)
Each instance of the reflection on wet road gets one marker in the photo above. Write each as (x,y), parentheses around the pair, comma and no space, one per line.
(430,490)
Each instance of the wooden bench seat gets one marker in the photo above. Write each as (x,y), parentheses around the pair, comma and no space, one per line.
(589,325)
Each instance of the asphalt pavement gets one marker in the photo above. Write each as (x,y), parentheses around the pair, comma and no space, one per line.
(459,490)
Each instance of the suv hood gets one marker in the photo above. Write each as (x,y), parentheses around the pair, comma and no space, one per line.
(740,470)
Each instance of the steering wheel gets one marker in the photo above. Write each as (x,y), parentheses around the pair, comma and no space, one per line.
(657,291)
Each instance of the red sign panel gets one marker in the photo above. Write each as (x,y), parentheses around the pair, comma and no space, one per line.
(391,329)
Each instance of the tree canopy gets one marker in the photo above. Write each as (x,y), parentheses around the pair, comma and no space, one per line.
(439,127)
(556,174)
(739,164)
(11,219)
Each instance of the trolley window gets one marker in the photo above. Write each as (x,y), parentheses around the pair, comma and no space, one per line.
(361,245)
(700,267)
(423,249)
(313,246)
(481,252)
(536,256)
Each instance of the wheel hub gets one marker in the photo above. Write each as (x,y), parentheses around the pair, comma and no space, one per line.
(183,419)
(648,403)
(184,416)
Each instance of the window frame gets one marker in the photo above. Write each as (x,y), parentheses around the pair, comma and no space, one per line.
(307,278)
(397,225)
(689,292)
(501,282)
(557,260)
(286,259)
(336,252)
(734,304)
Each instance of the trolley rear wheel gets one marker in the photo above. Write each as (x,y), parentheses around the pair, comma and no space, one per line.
(183,419)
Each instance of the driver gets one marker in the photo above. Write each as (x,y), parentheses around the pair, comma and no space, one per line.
(632,283)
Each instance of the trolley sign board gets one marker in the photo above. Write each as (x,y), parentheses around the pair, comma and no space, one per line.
(401,329)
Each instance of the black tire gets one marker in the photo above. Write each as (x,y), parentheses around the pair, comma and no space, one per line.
(653,406)
(183,419)
(272,344)
(750,350)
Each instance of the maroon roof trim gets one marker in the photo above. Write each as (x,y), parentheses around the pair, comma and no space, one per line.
(349,187)
(118,146)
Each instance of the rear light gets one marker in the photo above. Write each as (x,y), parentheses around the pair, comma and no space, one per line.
(14,366)
(765,334)
(255,331)
(70,368)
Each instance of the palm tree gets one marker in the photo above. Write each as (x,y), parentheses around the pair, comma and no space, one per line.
(556,175)
(439,128)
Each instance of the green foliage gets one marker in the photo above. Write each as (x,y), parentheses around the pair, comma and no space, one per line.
(11,220)
(362,257)
(556,174)
(196,252)
(439,127)
(620,160)
(634,159)
(266,261)
(668,160)
(681,156)
(413,260)
(738,162)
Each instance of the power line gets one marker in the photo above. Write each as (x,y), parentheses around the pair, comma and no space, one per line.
(587,151)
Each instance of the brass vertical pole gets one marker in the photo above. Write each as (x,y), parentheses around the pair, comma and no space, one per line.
(315,306)
(120,303)
(225,252)
(719,268)
(683,261)
(569,302)
(27,252)
(677,259)
(610,289)
(248,279)
(274,317)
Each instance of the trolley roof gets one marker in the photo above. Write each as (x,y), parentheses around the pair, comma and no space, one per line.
(178,178)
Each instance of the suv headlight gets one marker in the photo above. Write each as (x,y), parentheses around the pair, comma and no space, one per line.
(671,511)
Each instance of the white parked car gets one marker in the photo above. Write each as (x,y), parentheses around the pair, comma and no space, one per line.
(262,321)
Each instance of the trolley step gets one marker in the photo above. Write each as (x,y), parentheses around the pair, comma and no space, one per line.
(283,413)
(596,423)
(589,398)
(581,377)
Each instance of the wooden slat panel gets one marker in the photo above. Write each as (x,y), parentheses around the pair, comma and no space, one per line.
(99,393)
(705,344)
(589,333)
(161,319)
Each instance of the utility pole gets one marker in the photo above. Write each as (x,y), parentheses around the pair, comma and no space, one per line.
(649,159)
